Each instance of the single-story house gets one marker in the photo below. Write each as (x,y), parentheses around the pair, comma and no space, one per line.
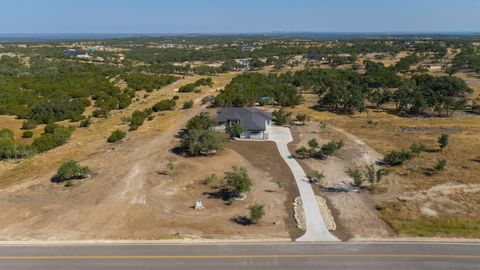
(77,54)
(248,48)
(245,63)
(254,122)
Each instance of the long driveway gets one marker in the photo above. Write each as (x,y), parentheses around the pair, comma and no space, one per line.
(316,227)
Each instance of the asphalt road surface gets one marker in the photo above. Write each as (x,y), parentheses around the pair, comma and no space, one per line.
(295,256)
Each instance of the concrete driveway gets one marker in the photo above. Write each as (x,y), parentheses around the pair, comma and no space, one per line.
(316,227)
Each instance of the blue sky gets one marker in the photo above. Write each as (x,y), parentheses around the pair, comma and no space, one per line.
(229,16)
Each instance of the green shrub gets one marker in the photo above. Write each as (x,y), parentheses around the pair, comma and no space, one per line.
(138,117)
(27,134)
(100,113)
(302,118)
(416,149)
(331,147)
(281,117)
(257,211)
(238,180)
(201,142)
(234,130)
(76,117)
(318,177)
(29,124)
(395,158)
(50,128)
(356,175)
(326,150)
(86,122)
(443,141)
(440,165)
(71,169)
(195,87)
(140,81)
(303,152)
(9,148)
(164,105)
(116,136)
(54,136)
(188,105)
(202,121)
(372,122)
(313,143)
(7,144)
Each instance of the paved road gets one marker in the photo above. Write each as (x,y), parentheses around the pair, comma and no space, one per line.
(294,255)
(316,228)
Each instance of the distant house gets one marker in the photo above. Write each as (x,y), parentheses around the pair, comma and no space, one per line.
(315,56)
(248,48)
(254,122)
(245,63)
(265,100)
(84,56)
(74,53)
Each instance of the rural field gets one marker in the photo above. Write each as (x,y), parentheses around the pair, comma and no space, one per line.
(386,131)
(130,192)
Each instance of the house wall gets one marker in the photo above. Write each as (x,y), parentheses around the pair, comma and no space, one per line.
(247,134)
(251,135)
(220,127)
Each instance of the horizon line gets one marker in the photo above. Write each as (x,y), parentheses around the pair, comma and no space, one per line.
(241,32)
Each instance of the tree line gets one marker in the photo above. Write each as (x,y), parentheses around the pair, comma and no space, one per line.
(347,91)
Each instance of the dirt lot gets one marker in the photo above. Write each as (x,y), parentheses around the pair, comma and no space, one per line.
(267,159)
(128,197)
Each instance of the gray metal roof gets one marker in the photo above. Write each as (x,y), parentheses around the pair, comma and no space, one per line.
(249,118)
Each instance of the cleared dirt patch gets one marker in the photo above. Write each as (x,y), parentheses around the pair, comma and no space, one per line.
(129,197)
(265,156)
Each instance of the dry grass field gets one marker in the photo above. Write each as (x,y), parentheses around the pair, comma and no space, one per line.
(411,201)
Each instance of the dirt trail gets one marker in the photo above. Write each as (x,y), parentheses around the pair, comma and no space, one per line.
(368,153)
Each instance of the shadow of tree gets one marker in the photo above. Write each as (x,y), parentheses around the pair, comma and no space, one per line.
(57,179)
(242,220)
(179,150)
(223,194)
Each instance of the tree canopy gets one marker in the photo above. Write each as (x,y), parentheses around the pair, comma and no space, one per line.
(246,89)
